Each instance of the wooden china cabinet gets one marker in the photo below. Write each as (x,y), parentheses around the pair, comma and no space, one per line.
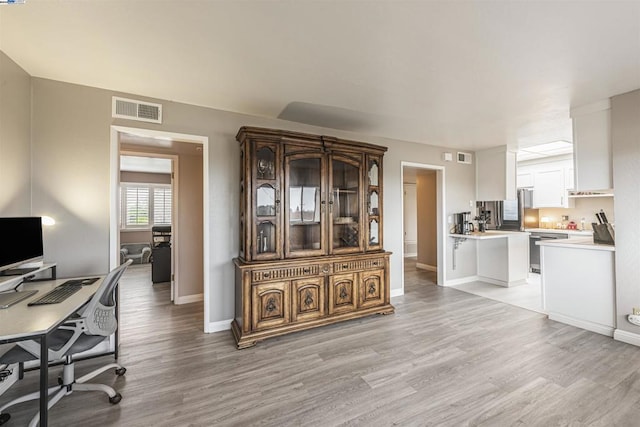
(311,249)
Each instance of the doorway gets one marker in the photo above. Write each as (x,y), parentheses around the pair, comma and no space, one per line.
(148,209)
(423,258)
(191,282)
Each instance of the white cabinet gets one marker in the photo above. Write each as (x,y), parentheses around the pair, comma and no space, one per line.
(496,174)
(592,146)
(525,179)
(550,181)
(549,189)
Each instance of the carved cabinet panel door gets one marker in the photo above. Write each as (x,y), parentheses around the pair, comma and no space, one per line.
(308,299)
(270,305)
(342,293)
(371,289)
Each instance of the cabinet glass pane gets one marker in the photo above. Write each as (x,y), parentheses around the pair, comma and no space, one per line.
(266,201)
(373,172)
(345,207)
(373,233)
(265,163)
(266,241)
(304,204)
(373,203)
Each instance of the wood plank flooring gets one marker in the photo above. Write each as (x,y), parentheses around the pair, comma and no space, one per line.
(445,358)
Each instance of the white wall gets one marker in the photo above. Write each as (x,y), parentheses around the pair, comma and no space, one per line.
(625,137)
(71,134)
(15,139)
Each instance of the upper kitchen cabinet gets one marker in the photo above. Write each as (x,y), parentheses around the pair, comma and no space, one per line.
(550,179)
(592,146)
(496,174)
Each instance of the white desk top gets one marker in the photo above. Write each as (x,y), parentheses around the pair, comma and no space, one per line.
(20,320)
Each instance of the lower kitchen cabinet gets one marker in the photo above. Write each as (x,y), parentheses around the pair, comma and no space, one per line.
(278,298)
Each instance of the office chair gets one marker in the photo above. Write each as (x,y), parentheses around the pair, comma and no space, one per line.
(87,328)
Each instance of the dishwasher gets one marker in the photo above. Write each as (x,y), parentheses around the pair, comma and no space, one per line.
(534,250)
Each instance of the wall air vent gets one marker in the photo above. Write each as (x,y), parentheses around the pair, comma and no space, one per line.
(465,158)
(131,109)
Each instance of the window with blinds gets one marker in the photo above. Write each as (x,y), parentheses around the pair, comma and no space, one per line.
(144,205)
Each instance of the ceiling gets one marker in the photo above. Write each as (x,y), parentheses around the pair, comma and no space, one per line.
(463,74)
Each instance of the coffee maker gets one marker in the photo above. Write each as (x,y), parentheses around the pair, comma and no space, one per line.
(463,224)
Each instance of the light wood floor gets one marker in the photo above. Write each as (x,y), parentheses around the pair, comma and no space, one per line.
(445,358)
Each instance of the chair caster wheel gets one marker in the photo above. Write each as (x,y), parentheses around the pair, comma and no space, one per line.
(4,418)
(121,371)
(115,399)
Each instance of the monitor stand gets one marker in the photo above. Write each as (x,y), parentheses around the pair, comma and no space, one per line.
(17,271)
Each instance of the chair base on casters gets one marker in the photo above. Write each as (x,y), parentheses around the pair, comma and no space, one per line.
(67,384)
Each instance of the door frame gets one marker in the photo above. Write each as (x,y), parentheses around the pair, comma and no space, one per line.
(441,225)
(114,197)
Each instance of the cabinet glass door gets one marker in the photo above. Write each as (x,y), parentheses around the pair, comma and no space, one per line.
(374,203)
(304,205)
(266,203)
(344,205)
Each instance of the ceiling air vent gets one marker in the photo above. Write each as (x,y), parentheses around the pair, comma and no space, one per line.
(131,109)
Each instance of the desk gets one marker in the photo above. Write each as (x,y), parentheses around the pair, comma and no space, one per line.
(21,322)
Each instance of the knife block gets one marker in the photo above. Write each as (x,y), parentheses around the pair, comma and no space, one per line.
(603,234)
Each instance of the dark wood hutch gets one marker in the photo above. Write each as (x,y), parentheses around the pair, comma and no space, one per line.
(311,248)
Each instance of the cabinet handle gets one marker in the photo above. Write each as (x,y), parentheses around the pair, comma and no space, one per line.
(322,205)
(330,205)
(266,275)
(345,265)
(278,205)
(306,270)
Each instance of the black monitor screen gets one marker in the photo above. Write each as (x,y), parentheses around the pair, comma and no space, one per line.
(21,241)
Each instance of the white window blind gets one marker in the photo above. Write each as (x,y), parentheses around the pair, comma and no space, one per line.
(144,205)
(137,206)
(162,205)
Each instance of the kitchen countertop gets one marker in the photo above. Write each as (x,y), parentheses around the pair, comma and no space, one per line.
(561,231)
(490,234)
(577,243)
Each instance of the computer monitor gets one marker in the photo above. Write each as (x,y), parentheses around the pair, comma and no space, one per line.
(21,241)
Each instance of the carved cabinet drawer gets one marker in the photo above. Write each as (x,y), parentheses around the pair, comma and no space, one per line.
(270,305)
(358,265)
(308,270)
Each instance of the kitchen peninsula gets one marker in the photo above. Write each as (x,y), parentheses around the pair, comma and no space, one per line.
(503,256)
(578,283)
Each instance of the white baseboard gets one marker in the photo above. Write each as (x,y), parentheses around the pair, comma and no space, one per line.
(410,254)
(189,299)
(502,282)
(427,267)
(628,337)
(397,292)
(584,324)
(222,325)
(460,281)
